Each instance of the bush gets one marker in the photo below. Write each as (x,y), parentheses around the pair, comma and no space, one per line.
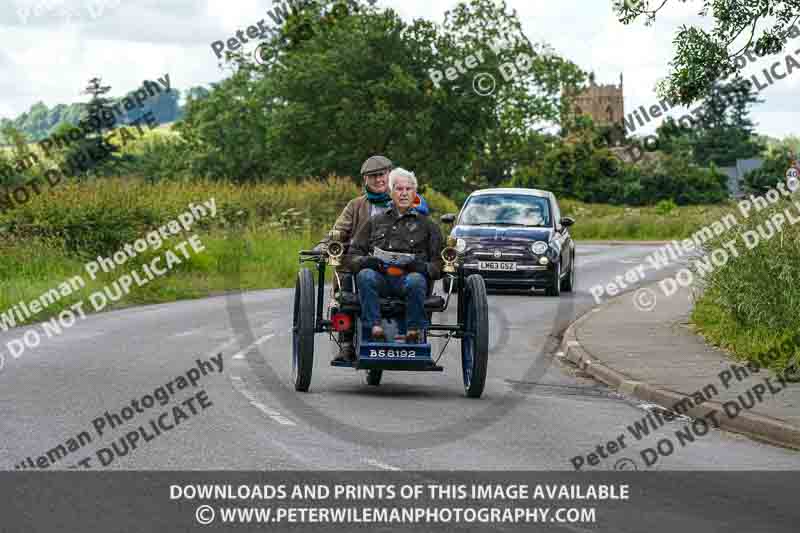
(159,157)
(665,207)
(97,217)
(768,176)
(578,169)
(674,177)
(752,303)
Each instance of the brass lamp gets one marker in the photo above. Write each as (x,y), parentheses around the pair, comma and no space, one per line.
(335,248)
(450,256)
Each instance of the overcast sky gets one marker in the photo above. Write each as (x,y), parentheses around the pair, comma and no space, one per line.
(48,57)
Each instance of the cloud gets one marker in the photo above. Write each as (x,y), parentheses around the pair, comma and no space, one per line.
(47,58)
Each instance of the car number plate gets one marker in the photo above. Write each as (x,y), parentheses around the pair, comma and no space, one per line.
(497,265)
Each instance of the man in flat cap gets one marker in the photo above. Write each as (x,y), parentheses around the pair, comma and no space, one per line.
(375,201)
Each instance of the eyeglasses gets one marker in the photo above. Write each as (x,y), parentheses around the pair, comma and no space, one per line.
(375,175)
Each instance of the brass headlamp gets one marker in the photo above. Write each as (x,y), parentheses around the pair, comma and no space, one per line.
(335,248)
(450,256)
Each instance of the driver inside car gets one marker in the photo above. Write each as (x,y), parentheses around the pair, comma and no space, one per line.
(401,230)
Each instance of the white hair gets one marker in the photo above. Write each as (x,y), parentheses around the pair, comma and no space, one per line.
(401,173)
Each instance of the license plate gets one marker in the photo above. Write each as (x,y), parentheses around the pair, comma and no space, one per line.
(497,265)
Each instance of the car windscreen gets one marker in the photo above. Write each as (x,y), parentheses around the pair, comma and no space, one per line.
(506,210)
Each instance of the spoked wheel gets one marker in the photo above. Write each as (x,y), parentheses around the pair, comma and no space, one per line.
(374,377)
(475,344)
(303,331)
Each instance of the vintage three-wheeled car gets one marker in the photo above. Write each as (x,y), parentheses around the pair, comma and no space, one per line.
(344,314)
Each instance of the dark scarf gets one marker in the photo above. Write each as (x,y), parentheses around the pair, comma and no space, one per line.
(374,198)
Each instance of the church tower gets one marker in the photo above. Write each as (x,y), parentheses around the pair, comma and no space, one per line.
(604,103)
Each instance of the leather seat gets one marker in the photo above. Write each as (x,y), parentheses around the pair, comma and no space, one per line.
(390,305)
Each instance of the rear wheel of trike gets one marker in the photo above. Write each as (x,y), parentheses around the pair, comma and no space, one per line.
(374,377)
(475,344)
(303,331)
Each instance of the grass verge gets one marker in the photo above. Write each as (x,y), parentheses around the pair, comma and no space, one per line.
(750,305)
(609,222)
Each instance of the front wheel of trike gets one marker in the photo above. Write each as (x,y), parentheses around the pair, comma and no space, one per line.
(475,343)
(374,377)
(303,331)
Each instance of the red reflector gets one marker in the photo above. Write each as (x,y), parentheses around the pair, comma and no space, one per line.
(342,322)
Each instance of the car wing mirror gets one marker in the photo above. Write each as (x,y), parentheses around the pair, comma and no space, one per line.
(567,221)
(448,218)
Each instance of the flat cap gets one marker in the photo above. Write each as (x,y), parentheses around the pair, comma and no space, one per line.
(376,163)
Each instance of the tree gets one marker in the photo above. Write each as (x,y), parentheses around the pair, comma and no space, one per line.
(9,171)
(528,80)
(91,154)
(99,105)
(703,57)
(725,132)
(361,83)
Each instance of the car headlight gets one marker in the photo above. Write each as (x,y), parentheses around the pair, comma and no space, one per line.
(461,246)
(543,260)
(539,247)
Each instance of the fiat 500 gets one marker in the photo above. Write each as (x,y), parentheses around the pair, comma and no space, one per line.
(516,239)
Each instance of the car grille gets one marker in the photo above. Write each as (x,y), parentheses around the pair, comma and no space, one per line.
(487,251)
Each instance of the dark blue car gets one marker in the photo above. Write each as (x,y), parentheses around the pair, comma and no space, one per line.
(516,239)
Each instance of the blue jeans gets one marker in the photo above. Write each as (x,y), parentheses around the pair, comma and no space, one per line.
(372,285)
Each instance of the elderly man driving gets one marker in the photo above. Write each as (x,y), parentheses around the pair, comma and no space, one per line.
(400,232)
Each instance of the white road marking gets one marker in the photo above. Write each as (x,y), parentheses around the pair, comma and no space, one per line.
(240,355)
(238,384)
(222,346)
(384,466)
(188,332)
(266,410)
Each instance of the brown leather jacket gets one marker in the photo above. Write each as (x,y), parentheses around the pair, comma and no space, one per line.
(354,215)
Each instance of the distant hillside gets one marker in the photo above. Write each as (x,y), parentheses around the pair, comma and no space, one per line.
(40,121)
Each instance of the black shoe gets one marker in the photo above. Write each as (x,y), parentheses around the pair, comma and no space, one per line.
(413,336)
